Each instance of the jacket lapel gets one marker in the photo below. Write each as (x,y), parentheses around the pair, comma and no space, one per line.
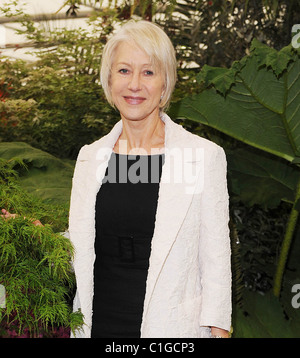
(97,157)
(104,152)
(179,181)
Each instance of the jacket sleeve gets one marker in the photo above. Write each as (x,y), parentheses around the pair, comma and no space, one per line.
(215,253)
(80,219)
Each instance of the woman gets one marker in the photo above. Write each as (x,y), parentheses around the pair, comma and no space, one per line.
(152,257)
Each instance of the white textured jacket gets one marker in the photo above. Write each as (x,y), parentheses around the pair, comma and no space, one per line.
(188,286)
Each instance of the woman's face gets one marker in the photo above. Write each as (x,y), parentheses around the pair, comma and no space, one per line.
(136,86)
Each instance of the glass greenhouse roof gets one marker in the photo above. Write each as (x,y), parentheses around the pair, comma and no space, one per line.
(48,13)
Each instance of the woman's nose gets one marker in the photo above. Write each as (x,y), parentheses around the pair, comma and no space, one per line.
(134,83)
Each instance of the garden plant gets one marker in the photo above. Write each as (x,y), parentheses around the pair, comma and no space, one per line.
(238,85)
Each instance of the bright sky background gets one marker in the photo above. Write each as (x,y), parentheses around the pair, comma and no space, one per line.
(8,37)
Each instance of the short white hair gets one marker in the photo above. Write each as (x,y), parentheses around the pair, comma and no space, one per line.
(154,41)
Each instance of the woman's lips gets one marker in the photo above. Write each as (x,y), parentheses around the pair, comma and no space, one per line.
(134,100)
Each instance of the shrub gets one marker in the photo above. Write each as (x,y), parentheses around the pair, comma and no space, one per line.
(35,265)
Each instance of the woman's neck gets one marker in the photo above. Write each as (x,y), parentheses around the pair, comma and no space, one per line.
(144,136)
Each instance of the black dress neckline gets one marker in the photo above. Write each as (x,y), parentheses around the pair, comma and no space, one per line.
(138,155)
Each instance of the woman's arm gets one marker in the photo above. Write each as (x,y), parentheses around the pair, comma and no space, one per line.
(214,249)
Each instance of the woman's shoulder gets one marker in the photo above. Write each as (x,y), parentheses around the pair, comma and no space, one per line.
(189,139)
(203,142)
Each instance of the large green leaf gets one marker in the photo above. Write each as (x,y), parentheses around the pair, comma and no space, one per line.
(260,178)
(47,177)
(261,107)
(263,317)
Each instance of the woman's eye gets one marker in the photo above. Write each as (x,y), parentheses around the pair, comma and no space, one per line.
(123,70)
(149,73)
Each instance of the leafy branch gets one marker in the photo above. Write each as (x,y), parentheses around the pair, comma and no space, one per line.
(256,101)
(35,264)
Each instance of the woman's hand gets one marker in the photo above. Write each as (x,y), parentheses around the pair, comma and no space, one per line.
(219,332)
(7,215)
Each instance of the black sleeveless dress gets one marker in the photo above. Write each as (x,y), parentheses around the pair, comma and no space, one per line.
(125,215)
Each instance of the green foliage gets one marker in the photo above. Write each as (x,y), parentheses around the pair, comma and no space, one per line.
(35,262)
(263,317)
(55,112)
(15,199)
(247,102)
(256,101)
(259,104)
(259,236)
(57,104)
(45,176)
(274,180)
(216,33)
(18,117)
